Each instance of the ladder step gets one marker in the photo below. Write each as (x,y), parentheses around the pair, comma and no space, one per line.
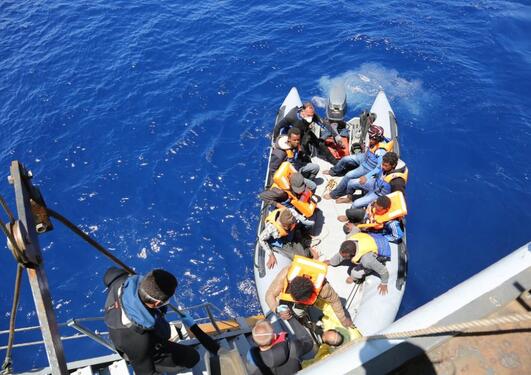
(118,368)
(84,371)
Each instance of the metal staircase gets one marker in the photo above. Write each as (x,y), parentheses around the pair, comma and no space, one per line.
(232,334)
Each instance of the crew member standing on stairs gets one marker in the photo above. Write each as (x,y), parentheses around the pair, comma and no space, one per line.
(134,312)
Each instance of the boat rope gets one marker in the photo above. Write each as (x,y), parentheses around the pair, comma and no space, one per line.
(7,366)
(451,329)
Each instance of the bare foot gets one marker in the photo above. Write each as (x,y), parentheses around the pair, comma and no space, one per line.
(342,218)
(327,196)
(327,172)
(314,252)
(345,199)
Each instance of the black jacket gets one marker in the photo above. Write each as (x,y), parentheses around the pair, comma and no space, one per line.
(283,358)
(292,120)
(148,350)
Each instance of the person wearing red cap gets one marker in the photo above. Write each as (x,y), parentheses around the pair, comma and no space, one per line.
(359,165)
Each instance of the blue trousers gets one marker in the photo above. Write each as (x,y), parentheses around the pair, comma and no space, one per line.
(355,167)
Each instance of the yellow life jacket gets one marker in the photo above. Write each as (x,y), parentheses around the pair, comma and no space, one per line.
(387,146)
(330,321)
(397,211)
(400,171)
(273,219)
(366,244)
(281,181)
(309,268)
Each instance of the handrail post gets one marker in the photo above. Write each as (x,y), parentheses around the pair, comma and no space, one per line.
(72,323)
(212,319)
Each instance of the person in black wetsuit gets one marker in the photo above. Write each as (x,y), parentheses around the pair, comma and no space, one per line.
(134,313)
(278,354)
(302,118)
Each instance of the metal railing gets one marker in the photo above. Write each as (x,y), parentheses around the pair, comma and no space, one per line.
(100,337)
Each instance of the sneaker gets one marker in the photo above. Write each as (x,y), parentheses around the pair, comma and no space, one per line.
(346,199)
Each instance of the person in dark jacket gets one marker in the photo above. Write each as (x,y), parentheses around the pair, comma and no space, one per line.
(288,148)
(302,118)
(134,313)
(278,354)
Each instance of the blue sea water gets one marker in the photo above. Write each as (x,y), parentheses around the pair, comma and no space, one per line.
(147,124)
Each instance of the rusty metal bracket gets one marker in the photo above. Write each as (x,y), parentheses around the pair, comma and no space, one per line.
(24,235)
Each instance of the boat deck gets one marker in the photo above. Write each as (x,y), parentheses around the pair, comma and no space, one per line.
(503,349)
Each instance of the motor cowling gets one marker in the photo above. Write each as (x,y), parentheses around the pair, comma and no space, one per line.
(336,105)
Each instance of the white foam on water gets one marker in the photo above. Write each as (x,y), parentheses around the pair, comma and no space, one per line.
(362,86)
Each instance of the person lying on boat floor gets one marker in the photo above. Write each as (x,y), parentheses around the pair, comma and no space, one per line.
(280,234)
(378,217)
(293,287)
(363,164)
(391,177)
(364,253)
(278,353)
(302,118)
(288,148)
(334,335)
(332,340)
(298,195)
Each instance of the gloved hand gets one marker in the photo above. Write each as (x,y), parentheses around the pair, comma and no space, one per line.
(187,319)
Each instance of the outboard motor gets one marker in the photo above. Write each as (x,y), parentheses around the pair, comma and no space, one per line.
(336,105)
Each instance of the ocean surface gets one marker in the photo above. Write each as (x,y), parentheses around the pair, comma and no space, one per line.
(147,124)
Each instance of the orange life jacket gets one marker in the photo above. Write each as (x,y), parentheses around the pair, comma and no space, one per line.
(397,211)
(309,268)
(306,205)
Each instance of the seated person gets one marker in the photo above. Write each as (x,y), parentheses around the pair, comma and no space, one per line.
(302,118)
(362,164)
(364,253)
(288,148)
(297,195)
(293,287)
(279,234)
(278,353)
(376,217)
(388,179)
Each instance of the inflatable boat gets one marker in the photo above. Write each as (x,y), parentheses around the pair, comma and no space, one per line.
(370,311)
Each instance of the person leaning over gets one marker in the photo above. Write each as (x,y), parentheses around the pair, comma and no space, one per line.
(301,291)
(279,234)
(134,313)
(296,195)
(365,253)
(278,353)
(376,217)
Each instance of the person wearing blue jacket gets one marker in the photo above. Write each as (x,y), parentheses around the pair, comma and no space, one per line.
(134,312)
(362,165)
